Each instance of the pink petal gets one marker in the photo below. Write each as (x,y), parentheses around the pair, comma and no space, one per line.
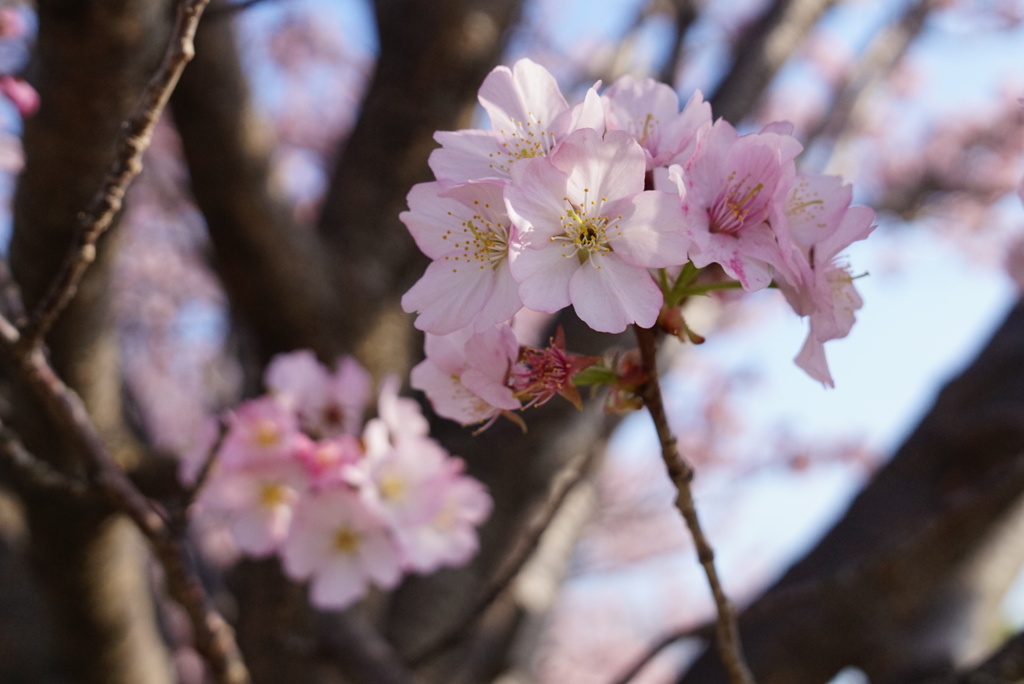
(337,585)
(652,235)
(448,297)
(467,155)
(612,295)
(600,167)
(543,276)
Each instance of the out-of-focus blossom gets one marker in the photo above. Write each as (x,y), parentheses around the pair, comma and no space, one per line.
(22,95)
(341,547)
(327,403)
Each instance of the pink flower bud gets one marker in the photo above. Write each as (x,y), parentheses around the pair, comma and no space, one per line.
(21,94)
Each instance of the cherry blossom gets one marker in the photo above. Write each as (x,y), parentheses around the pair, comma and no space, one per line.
(587,231)
(443,531)
(529,117)
(729,189)
(822,223)
(341,547)
(256,501)
(327,404)
(259,430)
(346,510)
(465,230)
(465,374)
(649,111)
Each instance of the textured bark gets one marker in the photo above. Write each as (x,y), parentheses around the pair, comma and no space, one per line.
(91,62)
(893,588)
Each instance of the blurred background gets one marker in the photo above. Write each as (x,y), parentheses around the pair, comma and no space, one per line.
(270,195)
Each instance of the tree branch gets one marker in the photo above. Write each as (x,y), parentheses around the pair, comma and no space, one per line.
(681,474)
(293,304)
(896,569)
(31,473)
(213,637)
(133,142)
(760,52)
(522,549)
(1003,666)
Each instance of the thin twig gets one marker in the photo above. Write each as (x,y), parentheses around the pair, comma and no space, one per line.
(522,550)
(135,138)
(702,631)
(681,473)
(37,474)
(179,520)
(213,636)
(10,296)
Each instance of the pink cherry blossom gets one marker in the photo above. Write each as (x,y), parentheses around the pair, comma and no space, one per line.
(400,480)
(443,532)
(341,547)
(327,403)
(821,223)
(649,111)
(21,94)
(729,189)
(401,416)
(587,231)
(328,461)
(529,117)
(256,502)
(465,230)
(465,374)
(259,430)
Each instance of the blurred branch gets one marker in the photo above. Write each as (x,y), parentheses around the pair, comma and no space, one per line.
(134,139)
(360,651)
(525,543)
(434,54)
(898,568)
(683,14)
(879,59)
(30,472)
(760,52)
(213,637)
(681,473)
(292,303)
(11,306)
(702,631)
(1004,666)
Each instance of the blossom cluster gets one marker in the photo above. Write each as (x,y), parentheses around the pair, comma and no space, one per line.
(615,206)
(343,502)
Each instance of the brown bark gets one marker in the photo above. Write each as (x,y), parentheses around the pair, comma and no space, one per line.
(92,61)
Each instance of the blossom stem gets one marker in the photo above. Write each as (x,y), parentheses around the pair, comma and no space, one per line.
(681,473)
